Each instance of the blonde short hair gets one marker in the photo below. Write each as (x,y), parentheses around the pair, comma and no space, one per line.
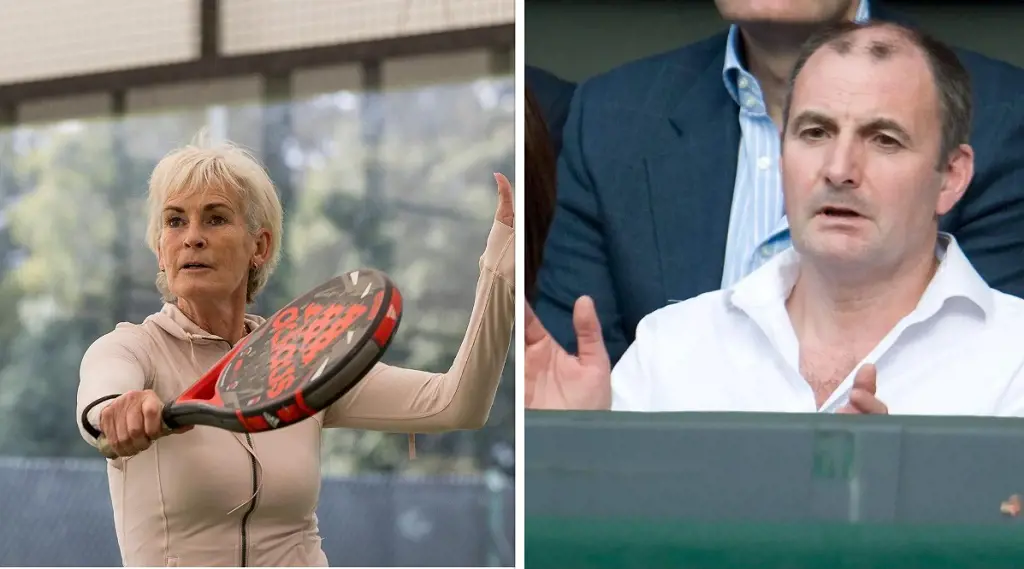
(199,166)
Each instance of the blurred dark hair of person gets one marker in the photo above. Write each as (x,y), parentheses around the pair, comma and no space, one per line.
(540,189)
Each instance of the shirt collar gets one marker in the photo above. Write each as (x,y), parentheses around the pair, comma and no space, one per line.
(748,95)
(770,285)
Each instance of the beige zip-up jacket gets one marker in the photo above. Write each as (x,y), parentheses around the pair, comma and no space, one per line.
(210,497)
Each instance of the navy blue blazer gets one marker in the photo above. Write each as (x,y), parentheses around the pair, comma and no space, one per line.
(645,183)
(553,94)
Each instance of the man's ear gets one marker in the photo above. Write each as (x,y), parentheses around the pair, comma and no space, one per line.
(957,174)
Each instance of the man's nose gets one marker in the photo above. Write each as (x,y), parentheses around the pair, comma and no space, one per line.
(844,166)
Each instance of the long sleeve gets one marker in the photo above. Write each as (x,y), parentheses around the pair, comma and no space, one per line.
(109,367)
(402,400)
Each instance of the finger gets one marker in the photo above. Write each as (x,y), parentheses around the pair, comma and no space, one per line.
(139,446)
(107,421)
(121,440)
(535,332)
(108,425)
(505,197)
(866,378)
(506,201)
(136,426)
(590,342)
(152,421)
(867,403)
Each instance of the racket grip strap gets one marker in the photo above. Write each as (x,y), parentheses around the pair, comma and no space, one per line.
(86,423)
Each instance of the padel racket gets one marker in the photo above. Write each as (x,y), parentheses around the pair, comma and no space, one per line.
(297,363)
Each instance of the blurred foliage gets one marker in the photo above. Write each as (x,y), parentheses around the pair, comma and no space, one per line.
(399,180)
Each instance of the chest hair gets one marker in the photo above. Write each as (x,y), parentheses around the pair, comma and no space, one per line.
(825,369)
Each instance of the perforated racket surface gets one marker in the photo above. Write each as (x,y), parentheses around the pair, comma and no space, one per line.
(300,361)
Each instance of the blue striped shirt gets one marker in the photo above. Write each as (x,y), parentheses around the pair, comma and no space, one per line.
(758,229)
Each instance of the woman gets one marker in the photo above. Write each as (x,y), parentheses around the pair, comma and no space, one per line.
(540,190)
(205,496)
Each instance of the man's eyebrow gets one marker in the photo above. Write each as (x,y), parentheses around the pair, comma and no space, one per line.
(873,126)
(812,117)
(884,124)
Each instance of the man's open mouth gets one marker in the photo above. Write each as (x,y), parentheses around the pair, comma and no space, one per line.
(833,211)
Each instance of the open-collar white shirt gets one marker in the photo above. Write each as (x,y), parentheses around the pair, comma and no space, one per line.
(960,352)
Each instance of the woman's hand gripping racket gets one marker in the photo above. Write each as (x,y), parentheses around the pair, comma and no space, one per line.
(300,361)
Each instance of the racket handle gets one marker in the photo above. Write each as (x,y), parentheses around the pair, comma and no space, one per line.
(104,446)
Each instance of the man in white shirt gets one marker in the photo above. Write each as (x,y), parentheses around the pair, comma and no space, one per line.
(872,310)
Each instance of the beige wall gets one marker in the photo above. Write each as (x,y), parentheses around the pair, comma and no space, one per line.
(260,25)
(49,38)
(41,39)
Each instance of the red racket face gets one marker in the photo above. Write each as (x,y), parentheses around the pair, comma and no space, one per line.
(302,359)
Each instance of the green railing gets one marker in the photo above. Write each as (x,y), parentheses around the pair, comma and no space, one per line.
(768,491)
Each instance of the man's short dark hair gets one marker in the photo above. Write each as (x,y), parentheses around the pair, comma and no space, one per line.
(952,82)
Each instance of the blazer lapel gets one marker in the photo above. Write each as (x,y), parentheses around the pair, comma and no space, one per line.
(691,187)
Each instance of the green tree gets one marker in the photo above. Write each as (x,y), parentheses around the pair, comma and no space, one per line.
(65,225)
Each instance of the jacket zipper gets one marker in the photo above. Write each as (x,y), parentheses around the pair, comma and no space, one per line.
(252,506)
